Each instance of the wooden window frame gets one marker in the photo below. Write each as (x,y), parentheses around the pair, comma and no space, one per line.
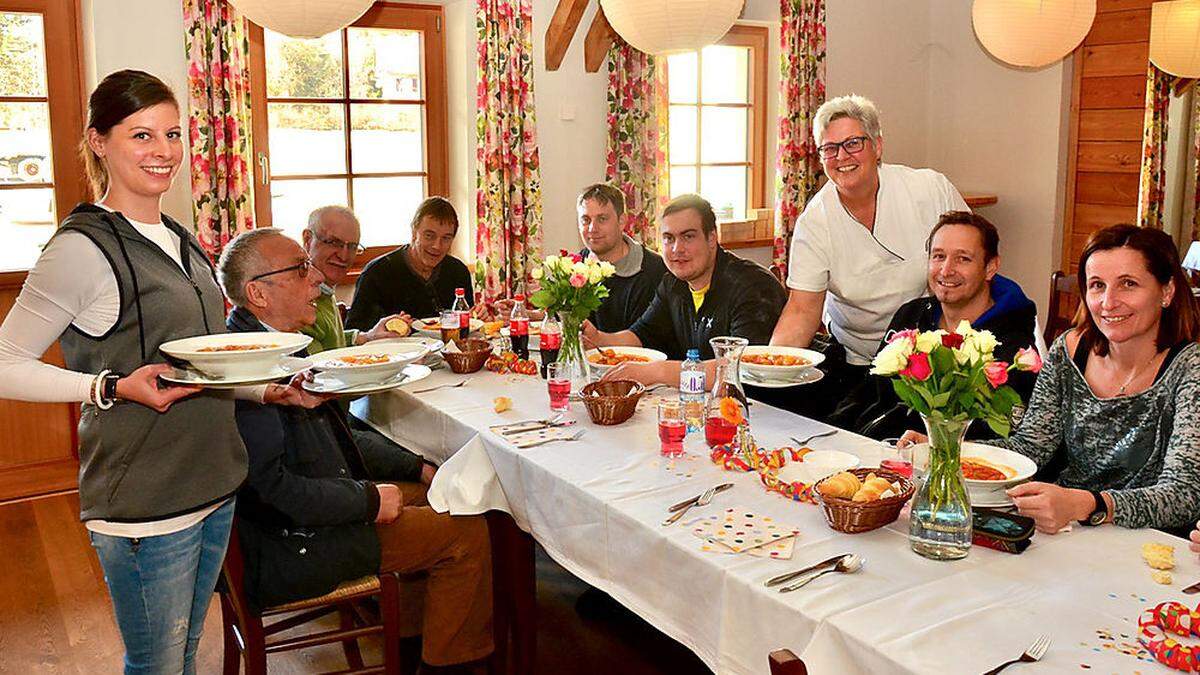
(396,15)
(757,39)
(67,100)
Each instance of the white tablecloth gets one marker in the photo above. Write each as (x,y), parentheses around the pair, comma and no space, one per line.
(596,506)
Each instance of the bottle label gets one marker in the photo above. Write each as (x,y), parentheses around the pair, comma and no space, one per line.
(691,382)
(464,319)
(551,340)
(519,327)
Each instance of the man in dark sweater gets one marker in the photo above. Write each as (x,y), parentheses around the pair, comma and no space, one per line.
(638,269)
(319,508)
(708,293)
(964,262)
(419,278)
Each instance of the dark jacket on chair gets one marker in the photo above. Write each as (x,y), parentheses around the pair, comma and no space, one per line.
(874,410)
(305,514)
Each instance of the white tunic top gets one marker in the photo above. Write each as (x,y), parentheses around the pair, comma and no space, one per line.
(868,275)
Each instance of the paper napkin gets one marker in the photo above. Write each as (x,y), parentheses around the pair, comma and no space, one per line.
(741,530)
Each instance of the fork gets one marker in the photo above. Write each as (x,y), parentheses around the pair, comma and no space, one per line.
(702,501)
(440,386)
(1035,653)
(574,437)
(805,440)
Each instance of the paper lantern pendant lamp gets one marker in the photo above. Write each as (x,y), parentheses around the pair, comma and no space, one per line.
(1032,33)
(1175,37)
(302,18)
(671,26)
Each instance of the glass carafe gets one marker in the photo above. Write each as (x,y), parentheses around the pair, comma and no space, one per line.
(727,386)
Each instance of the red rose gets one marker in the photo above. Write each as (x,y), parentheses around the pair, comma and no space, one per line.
(952,340)
(918,367)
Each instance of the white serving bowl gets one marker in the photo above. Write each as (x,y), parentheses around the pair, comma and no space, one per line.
(817,465)
(433,326)
(985,492)
(763,372)
(651,355)
(239,363)
(398,355)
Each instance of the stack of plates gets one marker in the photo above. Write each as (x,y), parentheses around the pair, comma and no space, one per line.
(230,360)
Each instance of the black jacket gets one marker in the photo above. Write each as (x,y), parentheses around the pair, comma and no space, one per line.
(743,300)
(305,514)
(388,285)
(874,403)
(628,297)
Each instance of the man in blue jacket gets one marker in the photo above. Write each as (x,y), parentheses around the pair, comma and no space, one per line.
(317,509)
(964,266)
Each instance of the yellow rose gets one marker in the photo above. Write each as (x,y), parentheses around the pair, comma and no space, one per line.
(607,269)
(964,328)
(565,265)
(536,273)
(927,341)
(551,261)
(594,275)
(579,268)
(967,353)
(892,359)
(985,342)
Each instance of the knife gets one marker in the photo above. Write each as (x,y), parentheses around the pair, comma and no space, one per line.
(1193,589)
(782,578)
(684,504)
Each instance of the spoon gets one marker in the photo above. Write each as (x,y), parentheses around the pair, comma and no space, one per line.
(848,565)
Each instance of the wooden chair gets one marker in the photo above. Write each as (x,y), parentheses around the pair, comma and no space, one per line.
(784,662)
(1064,288)
(246,634)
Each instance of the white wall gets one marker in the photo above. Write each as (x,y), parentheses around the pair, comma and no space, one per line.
(144,35)
(997,129)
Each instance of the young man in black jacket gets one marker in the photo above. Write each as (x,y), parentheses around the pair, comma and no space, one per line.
(318,509)
(708,293)
(964,265)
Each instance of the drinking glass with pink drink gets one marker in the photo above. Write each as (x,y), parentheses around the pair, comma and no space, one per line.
(558,383)
(672,428)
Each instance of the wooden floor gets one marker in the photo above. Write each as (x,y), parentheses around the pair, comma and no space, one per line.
(55,615)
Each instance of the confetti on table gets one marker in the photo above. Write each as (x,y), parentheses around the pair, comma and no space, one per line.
(739,530)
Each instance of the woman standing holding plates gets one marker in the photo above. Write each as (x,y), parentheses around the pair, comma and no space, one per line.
(158,465)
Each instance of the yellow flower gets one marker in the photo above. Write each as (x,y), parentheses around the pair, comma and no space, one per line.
(607,269)
(929,340)
(985,341)
(892,359)
(967,353)
(565,265)
(536,273)
(594,275)
(964,329)
(551,261)
(579,268)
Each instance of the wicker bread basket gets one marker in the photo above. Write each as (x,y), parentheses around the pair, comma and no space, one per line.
(472,354)
(612,401)
(846,515)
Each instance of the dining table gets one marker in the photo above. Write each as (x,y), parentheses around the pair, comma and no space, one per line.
(597,506)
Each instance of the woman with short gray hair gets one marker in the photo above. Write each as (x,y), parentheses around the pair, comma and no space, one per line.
(858,249)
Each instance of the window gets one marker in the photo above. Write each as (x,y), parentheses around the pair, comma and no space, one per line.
(356,117)
(40,117)
(717,122)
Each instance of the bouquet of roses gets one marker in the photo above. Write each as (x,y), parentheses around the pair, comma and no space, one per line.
(570,285)
(954,375)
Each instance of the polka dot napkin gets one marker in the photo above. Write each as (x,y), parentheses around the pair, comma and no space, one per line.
(741,530)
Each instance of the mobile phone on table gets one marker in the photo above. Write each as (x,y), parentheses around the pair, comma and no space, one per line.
(1001,530)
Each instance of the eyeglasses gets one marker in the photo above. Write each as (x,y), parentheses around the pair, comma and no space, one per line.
(347,246)
(301,268)
(852,146)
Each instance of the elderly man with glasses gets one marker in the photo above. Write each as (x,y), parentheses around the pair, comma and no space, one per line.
(858,249)
(332,243)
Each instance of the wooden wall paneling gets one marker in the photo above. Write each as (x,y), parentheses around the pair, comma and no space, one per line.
(1114,189)
(1111,125)
(1092,217)
(1114,60)
(1117,157)
(1113,92)
(1117,27)
(1103,6)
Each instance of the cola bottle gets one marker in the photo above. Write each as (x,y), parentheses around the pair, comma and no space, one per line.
(551,342)
(518,328)
(464,313)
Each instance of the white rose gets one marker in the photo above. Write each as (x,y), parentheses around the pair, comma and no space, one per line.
(929,340)
(964,328)
(594,275)
(579,268)
(892,358)
(565,265)
(536,273)
(967,353)
(985,342)
(607,269)
(551,261)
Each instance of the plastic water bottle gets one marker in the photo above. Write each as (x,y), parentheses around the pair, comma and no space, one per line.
(691,390)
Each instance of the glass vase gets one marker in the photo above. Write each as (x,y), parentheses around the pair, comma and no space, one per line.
(571,353)
(940,518)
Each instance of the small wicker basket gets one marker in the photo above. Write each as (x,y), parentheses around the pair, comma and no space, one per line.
(612,401)
(846,515)
(472,354)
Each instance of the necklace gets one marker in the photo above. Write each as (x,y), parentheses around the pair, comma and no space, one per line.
(1137,371)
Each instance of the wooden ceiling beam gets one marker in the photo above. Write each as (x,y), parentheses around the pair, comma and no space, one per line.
(567,16)
(599,38)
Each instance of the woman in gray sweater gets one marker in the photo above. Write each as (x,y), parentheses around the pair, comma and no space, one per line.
(1119,394)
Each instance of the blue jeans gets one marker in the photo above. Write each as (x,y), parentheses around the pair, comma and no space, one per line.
(160,588)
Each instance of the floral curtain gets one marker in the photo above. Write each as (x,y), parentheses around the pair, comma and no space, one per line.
(801,92)
(1194,179)
(218,122)
(1152,185)
(508,236)
(637,137)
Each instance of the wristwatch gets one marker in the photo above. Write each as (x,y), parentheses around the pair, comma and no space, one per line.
(1099,514)
(108,389)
